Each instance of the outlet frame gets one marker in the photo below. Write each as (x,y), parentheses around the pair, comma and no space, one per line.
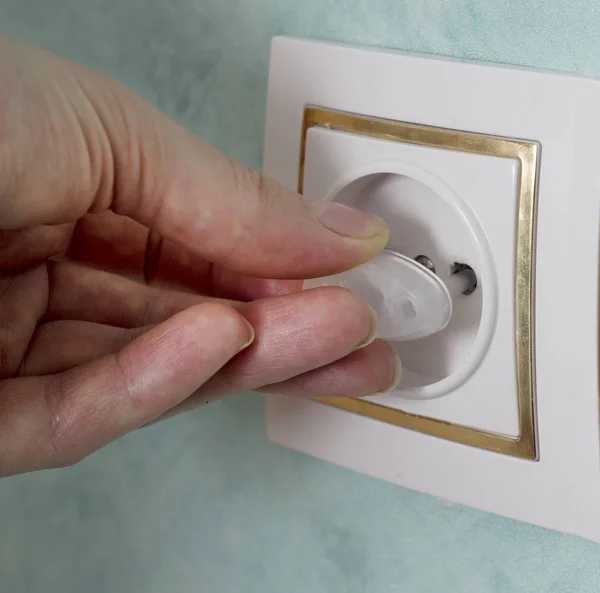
(527,155)
(561,488)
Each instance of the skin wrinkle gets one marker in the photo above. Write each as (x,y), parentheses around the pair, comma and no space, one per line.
(117,182)
(54,399)
(128,391)
(157,191)
(25,299)
(134,187)
(100,169)
(77,150)
(41,312)
(152,253)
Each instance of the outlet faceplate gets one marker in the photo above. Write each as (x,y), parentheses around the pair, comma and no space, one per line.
(458,194)
(466,161)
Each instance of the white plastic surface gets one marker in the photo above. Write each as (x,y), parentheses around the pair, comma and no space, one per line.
(561,489)
(410,301)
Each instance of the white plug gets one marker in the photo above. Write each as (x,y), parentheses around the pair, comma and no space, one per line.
(411,302)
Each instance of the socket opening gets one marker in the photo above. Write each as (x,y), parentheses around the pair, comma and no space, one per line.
(435,232)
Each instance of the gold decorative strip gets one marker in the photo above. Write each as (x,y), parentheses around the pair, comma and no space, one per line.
(527,154)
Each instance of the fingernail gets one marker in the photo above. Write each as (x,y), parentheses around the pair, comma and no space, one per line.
(346,221)
(397,374)
(372,331)
(251,336)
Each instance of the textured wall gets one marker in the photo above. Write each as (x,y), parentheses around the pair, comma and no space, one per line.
(203,503)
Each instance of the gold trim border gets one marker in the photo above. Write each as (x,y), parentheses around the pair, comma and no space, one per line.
(527,154)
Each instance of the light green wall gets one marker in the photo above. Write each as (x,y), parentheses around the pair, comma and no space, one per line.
(204,503)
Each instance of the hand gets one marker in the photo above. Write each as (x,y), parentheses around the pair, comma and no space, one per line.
(134,271)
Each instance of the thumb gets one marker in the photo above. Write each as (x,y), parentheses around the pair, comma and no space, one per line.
(74,413)
(98,146)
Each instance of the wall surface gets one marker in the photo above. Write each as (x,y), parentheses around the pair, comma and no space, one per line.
(203,503)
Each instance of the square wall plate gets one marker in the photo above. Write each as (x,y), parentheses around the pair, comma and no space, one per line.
(491,185)
(502,415)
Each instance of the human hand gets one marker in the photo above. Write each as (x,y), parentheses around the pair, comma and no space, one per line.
(135,271)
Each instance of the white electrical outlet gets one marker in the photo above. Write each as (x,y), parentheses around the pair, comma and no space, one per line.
(487,167)
(437,203)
